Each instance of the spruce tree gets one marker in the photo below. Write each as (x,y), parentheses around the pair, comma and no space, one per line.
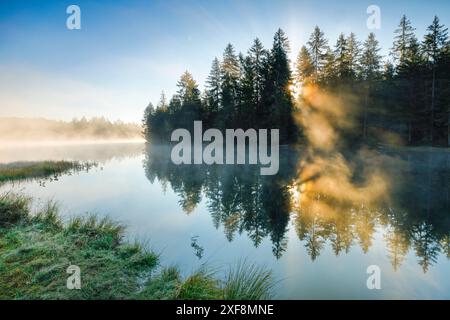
(342,59)
(404,35)
(433,45)
(354,52)
(191,107)
(230,72)
(213,87)
(370,61)
(370,71)
(318,46)
(304,66)
(258,57)
(279,97)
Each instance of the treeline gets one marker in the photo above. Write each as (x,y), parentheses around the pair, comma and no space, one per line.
(34,129)
(242,91)
(405,94)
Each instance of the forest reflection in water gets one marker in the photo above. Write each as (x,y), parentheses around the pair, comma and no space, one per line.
(331,199)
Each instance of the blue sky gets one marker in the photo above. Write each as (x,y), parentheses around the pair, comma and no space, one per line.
(127,52)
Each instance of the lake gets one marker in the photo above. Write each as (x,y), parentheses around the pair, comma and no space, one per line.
(318,224)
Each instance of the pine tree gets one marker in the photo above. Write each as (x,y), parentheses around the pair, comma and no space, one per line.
(258,56)
(342,59)
(435,41)
(191,107)
(187,88)
(278,94)
(162,104)
(370,70)
(213,87)
(388,71)
(304,66)
(146,120)
(370,60)
(433,46)
(280,61)
(354,51)
(247,92)
(404,35)
(328,73)
(230,72)
(317,46)
(410,76)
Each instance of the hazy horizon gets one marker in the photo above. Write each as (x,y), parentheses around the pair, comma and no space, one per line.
(27,129)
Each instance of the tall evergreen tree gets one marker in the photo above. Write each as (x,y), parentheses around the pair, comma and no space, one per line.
(247,93)
(259,57)
(370,71)
(388,71)
(370,60)
(410,74)
(304,66)
(404,35)
(162,104)
(230,73)
(187,88)
(278,94)
(146,121)
(435,41)
(342,59)
(328,72)
(317,46)
(189,96)
(213,87)
(433,45)
(354,51)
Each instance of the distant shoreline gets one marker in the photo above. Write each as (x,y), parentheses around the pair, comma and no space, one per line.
(44,143)
(44,131)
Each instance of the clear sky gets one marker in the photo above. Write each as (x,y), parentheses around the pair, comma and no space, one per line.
(127,52)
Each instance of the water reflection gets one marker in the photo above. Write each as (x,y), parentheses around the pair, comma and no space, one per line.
(332,200)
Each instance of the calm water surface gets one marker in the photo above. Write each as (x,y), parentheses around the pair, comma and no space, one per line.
(318,224)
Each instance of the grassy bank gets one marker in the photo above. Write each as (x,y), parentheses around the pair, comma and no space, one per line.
(36,170)
(36,250)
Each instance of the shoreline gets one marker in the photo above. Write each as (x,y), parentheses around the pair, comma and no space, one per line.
(11,144)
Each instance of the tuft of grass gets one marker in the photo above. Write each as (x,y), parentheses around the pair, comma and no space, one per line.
(13,209)
(248,282)
(201,285)
(162,286)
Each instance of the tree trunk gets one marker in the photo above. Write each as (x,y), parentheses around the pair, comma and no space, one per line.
(409,132)
(448,129)
(365,114)
(433,85)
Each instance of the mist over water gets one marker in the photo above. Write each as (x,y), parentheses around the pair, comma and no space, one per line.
(15,131)
(318,224)
(99,151)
